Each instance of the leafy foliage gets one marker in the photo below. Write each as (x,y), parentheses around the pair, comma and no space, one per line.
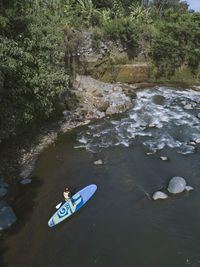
(175,43)
(140,13)
(81,13)
(123,29)
(32,73)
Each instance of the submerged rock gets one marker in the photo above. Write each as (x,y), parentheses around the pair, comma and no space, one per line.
(28,168)
(189,188)
(7,215)
(3,191)
(177,185)
(198,116)
(3,188)
(98,162)
(26,181)
(159,195)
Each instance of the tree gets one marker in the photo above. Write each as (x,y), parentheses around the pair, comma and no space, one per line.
(160,5)
(32,73)
(13,18)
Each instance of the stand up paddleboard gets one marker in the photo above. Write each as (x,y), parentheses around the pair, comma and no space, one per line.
(69,207)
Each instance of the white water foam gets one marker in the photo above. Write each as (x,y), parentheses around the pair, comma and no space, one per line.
(160,118)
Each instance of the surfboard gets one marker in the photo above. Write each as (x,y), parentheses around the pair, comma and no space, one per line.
(70,207)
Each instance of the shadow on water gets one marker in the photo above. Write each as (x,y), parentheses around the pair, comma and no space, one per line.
(23,207)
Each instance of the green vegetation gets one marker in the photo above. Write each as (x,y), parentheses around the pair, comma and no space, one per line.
(123,29)
(32,69)
(39,37)
(168,30)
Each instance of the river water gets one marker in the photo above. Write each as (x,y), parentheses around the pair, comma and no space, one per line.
(120,226)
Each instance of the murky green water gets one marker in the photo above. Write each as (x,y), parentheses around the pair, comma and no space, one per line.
(120,226)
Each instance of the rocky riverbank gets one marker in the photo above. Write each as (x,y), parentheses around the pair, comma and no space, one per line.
(97,100)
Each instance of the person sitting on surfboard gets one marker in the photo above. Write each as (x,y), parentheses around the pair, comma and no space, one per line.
(67,194)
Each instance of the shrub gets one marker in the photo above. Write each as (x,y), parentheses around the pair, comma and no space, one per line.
(123,29)
(176,42)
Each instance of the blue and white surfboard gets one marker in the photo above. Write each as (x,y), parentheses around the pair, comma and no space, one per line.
(69,207)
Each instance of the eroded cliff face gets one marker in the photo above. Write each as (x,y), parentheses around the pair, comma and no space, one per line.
(110,61)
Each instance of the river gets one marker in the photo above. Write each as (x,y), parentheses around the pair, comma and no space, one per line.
(120,225)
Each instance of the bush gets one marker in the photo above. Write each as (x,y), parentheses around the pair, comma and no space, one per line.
(123,29)
(174,43)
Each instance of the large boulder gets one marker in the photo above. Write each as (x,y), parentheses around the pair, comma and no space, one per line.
(7,215)
(176,185)
(100,96)
(159,195)
(158,99)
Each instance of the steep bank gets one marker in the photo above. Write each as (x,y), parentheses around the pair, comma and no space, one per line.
(112,61)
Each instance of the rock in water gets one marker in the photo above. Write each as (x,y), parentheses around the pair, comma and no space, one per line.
(26,181)
(149,153)
(152,125)
(158,99)
(164,158)
(7,216)
(188,107)
(176,185)
(159,195)
(3,191)
(98,162)
(198,116)
(192,143)
(189,188)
